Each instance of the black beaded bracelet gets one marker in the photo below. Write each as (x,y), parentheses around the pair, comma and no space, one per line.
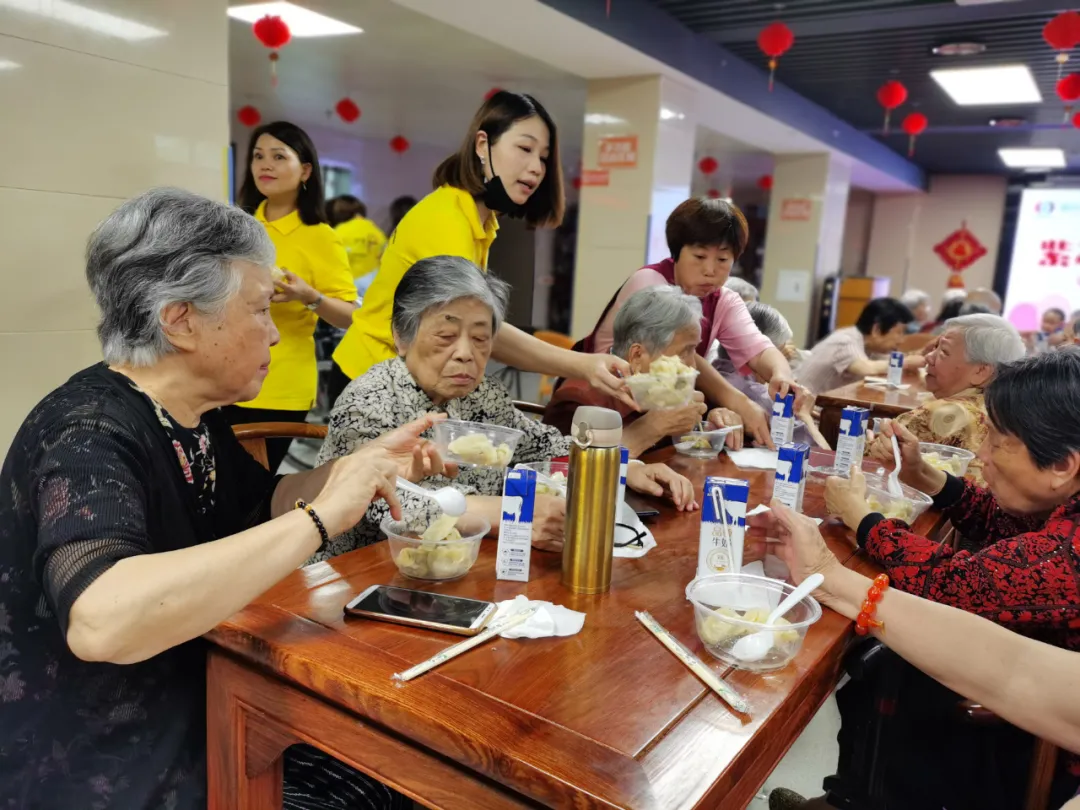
(315,517)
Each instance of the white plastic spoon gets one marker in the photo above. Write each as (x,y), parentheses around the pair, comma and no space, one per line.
(449,499)
(755,647)
(893,482)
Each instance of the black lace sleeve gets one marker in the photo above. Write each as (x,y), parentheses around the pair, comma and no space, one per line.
(88,491)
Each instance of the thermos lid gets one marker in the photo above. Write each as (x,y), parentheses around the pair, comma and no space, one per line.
(596,427)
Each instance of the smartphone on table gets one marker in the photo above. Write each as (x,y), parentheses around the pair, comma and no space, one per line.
(434,611)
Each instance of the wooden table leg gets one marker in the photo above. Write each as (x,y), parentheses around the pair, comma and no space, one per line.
(243,759)
(829,424)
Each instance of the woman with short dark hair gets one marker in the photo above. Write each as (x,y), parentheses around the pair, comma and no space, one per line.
(706,238)
(507,165)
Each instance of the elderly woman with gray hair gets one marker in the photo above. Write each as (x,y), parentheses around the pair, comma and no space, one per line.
(445,317)
(132,522)
(653,323)
(958,369)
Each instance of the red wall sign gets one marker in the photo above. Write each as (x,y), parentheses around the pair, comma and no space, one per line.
(618,152)
(595,177)
(797,208)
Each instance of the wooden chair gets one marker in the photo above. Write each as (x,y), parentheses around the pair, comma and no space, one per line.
(530,408)
(253,436)
(916,342)
(547,384)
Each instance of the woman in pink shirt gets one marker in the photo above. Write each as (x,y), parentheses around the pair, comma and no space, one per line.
(706,237)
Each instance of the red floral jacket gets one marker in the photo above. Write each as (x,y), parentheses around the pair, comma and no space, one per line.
(1025,574)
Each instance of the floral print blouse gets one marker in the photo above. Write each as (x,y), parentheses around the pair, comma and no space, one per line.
(387,397)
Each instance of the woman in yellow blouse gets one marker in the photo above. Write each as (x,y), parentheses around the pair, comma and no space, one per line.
(508,164)
(283,189)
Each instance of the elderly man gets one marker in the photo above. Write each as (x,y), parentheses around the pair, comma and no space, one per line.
(958,369)
(656,322)
(132,522)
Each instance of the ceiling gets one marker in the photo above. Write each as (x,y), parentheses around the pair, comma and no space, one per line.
(409,74)
(845,49)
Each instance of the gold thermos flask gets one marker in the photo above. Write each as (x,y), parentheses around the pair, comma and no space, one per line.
(593,487)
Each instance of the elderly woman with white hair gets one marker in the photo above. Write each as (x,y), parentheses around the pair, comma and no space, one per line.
(653,323)
(958,369)
(445,317)
(132,522)
(919,303)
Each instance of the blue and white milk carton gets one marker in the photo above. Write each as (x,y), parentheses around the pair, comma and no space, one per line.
(783,419)
(515,527)
(723,526)
(896,369)
(624,462)
(851,443)
(791,470)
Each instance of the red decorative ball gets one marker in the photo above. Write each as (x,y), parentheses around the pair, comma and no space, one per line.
(272,31)
(891,94)
(490,93)
(708,165)
(915,123)
(765,182)
(1068,88)
(1063,32)
(1076,120)
(775,40)
(400,144)
(347,109)
(713,194)
(248,116)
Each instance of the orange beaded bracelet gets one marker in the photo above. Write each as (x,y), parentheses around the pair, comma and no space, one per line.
(865,622)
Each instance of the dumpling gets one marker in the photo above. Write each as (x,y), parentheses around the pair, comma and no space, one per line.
(449,560)
(441,529)
(476,448)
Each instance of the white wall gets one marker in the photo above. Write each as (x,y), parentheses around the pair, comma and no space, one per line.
(952,199)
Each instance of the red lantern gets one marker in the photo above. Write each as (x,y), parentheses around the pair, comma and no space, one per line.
(1068,90)
(400,144)
(713,194)
(775,40)
(708,165)
(890,96)
(490,93)
(248,116)
(914,125)
(1076,120)
(1063,34)
(273,33)
(765,182)
(347,109)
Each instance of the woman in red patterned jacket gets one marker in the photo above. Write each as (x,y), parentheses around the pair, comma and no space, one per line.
(1024,574)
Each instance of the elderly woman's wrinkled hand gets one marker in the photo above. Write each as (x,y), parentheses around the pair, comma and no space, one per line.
(846,497)
(656,479)
(549,522)
(721,418)
(417,458)
(353,482)
(910,454)
(800,546)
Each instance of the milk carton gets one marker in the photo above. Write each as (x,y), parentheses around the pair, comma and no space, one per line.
(720,547)
(851,444)
(783,419)
(896,369)
(515,526)
(790,484)
(624,462)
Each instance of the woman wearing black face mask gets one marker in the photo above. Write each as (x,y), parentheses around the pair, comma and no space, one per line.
(507,165)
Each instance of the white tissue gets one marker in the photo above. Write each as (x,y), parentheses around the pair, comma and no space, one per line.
(549,620)
(628,517)
(754,458)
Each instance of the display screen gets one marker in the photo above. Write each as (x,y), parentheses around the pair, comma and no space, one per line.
(1045,269)
(437,608)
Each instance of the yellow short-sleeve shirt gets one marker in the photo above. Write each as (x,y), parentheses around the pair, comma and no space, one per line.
(364,242)
(445,223)
(315,253)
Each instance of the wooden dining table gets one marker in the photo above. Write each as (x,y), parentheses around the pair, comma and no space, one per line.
(605,718)
(882,402)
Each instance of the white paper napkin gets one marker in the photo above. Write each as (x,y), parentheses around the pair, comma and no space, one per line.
(549,620)
(754,458)
(760,508)
(628,517)
(883,381)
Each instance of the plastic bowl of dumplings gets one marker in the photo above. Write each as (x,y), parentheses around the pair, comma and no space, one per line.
(705,441)
(729,607)
(551,476)
(953,460)
(657,391)
(907,508)
(476,444)
(425,550)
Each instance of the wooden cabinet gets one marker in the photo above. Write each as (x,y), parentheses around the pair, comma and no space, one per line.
(856,293)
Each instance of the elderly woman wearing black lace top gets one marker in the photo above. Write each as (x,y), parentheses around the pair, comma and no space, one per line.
(132,522)
(445,317)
